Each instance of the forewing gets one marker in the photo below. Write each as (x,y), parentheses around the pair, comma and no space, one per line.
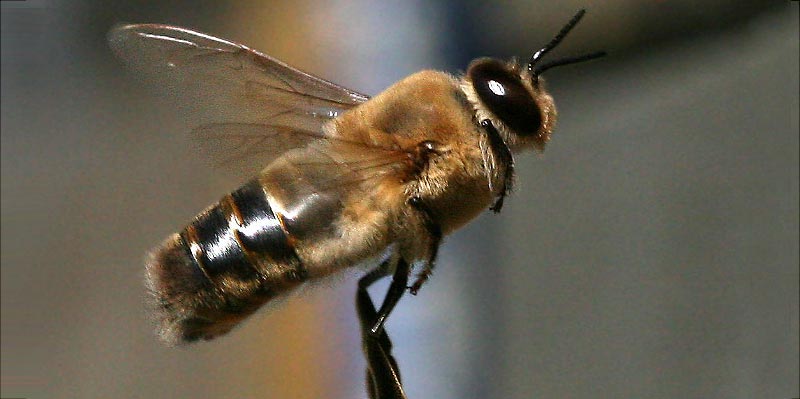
(243,107)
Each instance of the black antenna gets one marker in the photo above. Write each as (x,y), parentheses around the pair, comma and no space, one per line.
(537,56)
(566,61)
(556,40)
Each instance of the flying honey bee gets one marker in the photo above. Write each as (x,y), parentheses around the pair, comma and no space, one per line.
(343,178)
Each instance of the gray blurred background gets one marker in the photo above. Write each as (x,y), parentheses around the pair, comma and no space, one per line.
(650,252)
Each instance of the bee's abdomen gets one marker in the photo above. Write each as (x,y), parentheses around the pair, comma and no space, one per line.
(223,266)
(239,234)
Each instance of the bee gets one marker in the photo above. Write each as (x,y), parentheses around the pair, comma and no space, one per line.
(343,178)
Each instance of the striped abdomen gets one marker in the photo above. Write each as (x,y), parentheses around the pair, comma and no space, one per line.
(223,266)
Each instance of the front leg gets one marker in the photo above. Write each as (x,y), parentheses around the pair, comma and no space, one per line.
(503,157)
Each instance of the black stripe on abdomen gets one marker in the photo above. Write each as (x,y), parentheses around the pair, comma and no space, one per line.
(239,232)
(214,247)
(261,231)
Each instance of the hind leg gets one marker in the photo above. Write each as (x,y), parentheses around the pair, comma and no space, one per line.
(382,375)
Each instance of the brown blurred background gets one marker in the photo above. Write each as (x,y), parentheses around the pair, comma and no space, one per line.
(651,252)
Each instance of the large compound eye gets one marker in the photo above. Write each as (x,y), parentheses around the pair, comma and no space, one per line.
(503,93)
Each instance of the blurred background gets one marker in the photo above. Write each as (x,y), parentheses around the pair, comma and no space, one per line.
(650,252)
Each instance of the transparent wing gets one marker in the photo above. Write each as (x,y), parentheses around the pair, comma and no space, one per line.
(243,107)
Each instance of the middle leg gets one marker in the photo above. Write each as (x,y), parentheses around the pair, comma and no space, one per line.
(434,239)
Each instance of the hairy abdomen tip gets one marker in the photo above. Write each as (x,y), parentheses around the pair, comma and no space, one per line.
(178,290)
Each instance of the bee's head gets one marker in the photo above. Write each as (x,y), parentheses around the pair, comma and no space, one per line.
(513,97)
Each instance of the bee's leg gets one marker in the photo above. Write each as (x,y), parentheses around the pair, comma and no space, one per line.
(393,295)
(382,375)
(435,238)
(376,274)
(502,155)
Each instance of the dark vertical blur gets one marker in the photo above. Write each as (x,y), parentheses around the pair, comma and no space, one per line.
(651,251)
